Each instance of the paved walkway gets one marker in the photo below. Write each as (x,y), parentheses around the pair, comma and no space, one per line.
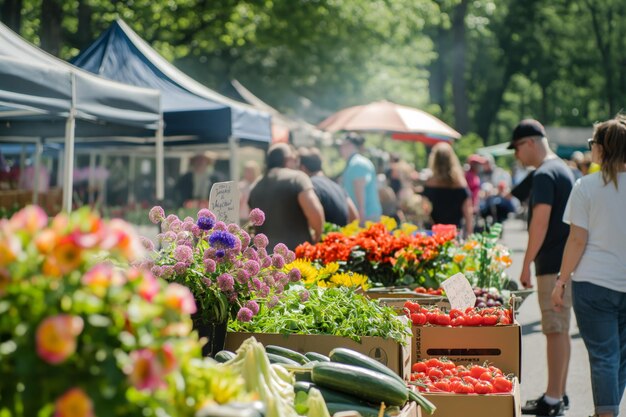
(534,374)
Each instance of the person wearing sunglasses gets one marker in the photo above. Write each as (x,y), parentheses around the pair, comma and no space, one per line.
(595,262)
(552,182)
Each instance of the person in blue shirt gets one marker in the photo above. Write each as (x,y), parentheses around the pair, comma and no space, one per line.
(359,178)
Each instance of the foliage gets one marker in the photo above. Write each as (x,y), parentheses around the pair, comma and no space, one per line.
(481,259)
(386,254)
(227,271)
(82,333)
(333,311)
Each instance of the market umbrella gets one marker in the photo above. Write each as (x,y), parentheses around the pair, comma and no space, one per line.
(402,122)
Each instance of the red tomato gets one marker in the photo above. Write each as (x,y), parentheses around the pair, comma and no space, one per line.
(490,320)
(473,320)
(434,363)
(443,319)
(470,379)
(487,376)
(420,290)
(443,385)
(432,316)
(477,370)
(435,374)
(483,387)
(505,320)
(412,307)
(470,310)
(418,319)
(447,364)
(419,367)
(455,312)
(458,321)
(501,384)
(461,387)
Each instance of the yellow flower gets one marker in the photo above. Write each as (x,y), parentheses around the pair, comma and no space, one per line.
(458,258)
(389,222)
(351,229)
(74,403)
(470,244)
(408,228)
(329,269)
(349,279)
(308,272)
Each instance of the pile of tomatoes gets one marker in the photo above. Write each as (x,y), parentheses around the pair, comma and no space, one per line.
(429,291)
(472,316)
(442,375)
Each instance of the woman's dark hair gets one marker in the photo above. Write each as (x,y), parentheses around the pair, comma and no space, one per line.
(611,136)
(356,139)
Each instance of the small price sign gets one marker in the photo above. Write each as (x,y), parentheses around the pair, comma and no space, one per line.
(224,201)
(459,292)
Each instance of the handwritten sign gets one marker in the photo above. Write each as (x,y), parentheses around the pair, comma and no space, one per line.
(224,201)
(459,291)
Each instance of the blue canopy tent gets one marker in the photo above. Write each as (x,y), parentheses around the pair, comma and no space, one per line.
(189,108)
(42,96)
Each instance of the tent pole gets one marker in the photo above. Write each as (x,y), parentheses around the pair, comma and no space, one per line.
(70,127)
(91,181)
(233,145)
(37,170)
(160,163)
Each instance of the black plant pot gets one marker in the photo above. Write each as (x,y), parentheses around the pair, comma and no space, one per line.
(214,332)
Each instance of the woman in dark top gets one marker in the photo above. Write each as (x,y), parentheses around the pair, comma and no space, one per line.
(447,189)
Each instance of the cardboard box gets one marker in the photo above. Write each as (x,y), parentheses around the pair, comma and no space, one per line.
(394,292)
(386,351)
(398,303)
(499,345)
(474,405)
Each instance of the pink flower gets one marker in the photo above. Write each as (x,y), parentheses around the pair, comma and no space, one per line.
(244,315)
(304,296)
(179,298)
(147,243)
(278,261)
(145,371)
(148,285)
(183,254)
(251,254)
(242,276)
(253,306)
(156,214)
(294,275)
(257,217)
(290,257)
(252,267)
(209,265)
(266,262)
(281,249)
(206,213)
(260,241)
(30,219)
(245,238)
(272,302)
(74,403)
(56,337)
(225,282)
(101,277)
(180,268)
(233,228)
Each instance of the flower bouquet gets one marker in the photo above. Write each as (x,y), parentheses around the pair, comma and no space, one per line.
(228,272)
(82,333)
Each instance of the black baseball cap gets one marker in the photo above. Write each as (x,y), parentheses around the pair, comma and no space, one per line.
(526,128)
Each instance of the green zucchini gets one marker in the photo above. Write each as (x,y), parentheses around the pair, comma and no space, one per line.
(281,360)
(366,384)
(224,356)
(314,356)
(361,409)
(330,396)
(287,353)
(351,357)
(422,402)
(303,386)
(303,374)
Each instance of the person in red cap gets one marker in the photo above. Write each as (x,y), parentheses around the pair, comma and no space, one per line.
(552,183)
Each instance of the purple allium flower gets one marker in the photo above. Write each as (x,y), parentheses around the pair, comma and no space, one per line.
(232,297)
(279,288)
(290,257)
(262,253)
(232,228)
(294,275)
(221,239)
(220,225)
(207,281)
(242,276)
(304,296)
(183,254)
(167,271)
(220,253)
(226,282)
(281,278)
(188,226)
(265,290)
(272,302)
(206,213)
(209,265)
(281,249)
(205,223)
(237,263)
(270,281)
(244,315)
(169,237)
(147,243)
(180,268)
(266,262)
(176,225)
(196,231)
(188,219)
(156,270)
(156,214)
(245,238)
(253,306)
(252,267)
(257,217)
(260,241)
(256,283)
(278,261)
(251,254)
(209,253)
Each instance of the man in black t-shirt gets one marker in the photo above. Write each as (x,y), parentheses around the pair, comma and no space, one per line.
(338,207)
(552,183)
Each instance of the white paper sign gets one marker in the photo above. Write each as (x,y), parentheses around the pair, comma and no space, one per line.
(459,292)
(224,201)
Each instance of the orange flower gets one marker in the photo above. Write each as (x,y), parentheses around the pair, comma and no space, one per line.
(56,337)
(67,255)
(74,403)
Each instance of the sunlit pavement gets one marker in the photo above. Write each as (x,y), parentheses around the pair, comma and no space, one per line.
(534,372)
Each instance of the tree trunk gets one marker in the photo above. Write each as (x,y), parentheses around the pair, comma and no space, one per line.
(437,79)
(459,85)
(84,35)
(50,30)
(11,14)
(604,46)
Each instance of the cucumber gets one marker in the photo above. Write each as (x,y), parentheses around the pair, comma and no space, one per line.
(287,353)
(314,356)
(330,396)
(224,356)
(351,357)
(281,360)
(365,384)
(361,409)
(422,402)
(303,374)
